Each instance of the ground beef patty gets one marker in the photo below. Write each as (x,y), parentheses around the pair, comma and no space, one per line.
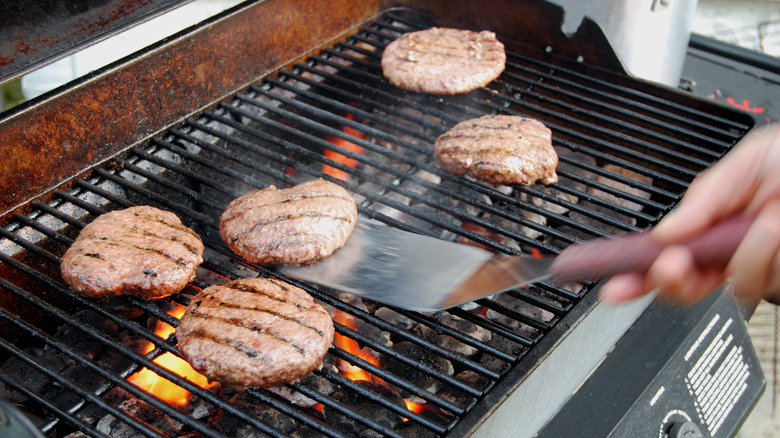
(254,332)
(142,251)
(299,225)
(443,61)
(499,149)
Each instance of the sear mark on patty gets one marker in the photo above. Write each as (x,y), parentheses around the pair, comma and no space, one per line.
(141,250)
(299,225)
(499,149)
(443,60)
(254,332)
(237,345)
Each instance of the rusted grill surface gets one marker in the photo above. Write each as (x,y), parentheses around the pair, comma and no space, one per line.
(626,157)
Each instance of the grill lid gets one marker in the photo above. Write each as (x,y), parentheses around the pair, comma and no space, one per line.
(36,32)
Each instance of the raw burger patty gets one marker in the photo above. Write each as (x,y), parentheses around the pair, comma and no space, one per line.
(443,61)
(254,332)
(140,251)
(299,225)
(499,149)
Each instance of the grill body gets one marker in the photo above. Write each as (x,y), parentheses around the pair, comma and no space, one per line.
(254,97)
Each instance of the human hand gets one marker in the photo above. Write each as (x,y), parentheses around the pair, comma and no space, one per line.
(747,180)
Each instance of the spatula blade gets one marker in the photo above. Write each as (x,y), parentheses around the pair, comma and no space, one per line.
(416,272)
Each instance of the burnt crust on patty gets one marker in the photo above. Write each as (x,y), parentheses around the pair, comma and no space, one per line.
(443,60)
(499,149)
(254,332)
(299,225)
(141,251)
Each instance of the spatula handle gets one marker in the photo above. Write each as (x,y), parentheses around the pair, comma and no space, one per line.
(636,252)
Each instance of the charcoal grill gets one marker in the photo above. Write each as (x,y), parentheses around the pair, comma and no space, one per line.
(254,97)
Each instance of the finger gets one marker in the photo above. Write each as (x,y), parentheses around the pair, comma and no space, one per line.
(720,191)
(753,264)
(671,270)
(679,279)
(623,287)
(697,285)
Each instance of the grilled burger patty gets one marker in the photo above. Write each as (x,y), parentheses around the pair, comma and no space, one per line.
(298,225)
(443,61)
(254,332)
(142,251)
(499,149)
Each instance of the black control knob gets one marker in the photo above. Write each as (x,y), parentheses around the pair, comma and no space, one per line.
(685,429)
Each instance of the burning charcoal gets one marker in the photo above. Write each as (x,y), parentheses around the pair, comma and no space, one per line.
(115,428)
(305,432)
(291,395)
(234,427)
(392,211)
(405,125)
(119,305)
(462,326)
(321,384)
(91,414)
(454,204)
(396,318)
(376,335)
(535,218)
(458,397)
(369,186)
(646,180)
(607,210)
(200,409)
(371,306)
(523,308)
(418,355)
(503,344)
(564,168)
(414,187)
(317,383)
(550,206)
(117,395)
(520,229)
(597,224)
(28,377)
(484,232)
(87,379)
(412,429)
(365,407)
(500,188)
(80,341)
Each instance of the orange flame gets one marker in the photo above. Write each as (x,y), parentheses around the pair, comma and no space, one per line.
(164,389)
(356,373)
(417,408)
(340,158)
(482,231)
(353,372)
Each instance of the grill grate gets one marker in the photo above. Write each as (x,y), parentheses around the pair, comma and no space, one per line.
(626,157)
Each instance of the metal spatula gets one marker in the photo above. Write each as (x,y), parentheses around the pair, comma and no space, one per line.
(421,273)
